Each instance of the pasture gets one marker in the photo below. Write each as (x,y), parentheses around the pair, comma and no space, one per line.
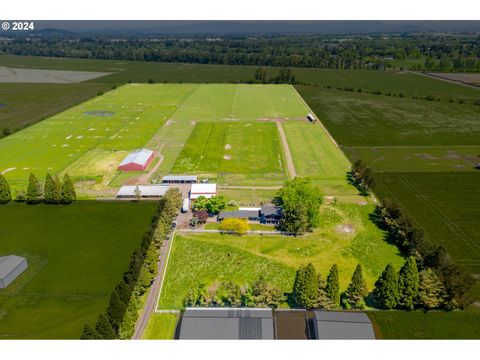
(160,327)
(206,258)
(76,255)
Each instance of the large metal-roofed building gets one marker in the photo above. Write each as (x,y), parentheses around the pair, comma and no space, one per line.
(179,179)
(331,325)
(207,190)
(226,324)
(11,267)
(145,191)
(137,160)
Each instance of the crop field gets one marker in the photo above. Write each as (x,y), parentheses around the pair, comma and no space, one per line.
(426,325)
(25,104)
(208,258)
(76,255)
(447,213)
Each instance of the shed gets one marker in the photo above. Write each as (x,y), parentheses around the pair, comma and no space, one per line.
(146,191)
(179,179)
(347,325)
(137,160)
(226,324)
(11,267)
(207,190)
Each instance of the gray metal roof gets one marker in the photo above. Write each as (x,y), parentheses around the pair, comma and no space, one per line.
(225,324)
(179,178)
(269,210)
(8,264)
(343,325)
(240,214)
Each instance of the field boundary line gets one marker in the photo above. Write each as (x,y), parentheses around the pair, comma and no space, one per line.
(164,272)
(290,165)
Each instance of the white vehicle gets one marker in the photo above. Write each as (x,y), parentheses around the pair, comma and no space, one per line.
(185,205)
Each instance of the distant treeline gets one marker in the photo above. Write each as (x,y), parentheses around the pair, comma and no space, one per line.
(440,52)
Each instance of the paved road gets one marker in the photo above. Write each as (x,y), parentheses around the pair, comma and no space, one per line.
(153,294)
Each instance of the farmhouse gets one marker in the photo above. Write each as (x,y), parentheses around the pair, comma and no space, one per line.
(266,214)
(206,190)
(137,160)
(331,325)
(10,268)
(226,324)
(179,179)
(146,191)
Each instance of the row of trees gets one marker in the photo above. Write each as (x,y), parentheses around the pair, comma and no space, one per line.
(300,201)
(362,177)
(118,321)
(284,76)
(54,191)
(258,294)
(377,51)
(411,241)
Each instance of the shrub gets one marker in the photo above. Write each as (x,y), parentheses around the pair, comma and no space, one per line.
(237,226)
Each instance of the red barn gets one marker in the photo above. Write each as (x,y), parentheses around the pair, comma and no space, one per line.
(137,160)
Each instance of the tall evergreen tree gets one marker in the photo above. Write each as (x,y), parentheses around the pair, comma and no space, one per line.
(52,190)
(5,192)
(116,310)
(89,333)
(34,190)
(386,288)
(104,328)
(431,291)
(333,285)
(408,284)
(68,190)
(306,287)
(354,296)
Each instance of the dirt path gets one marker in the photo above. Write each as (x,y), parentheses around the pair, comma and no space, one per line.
(286,150)
(155,289)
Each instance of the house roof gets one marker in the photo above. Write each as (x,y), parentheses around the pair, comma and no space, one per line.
(145,190)
(203,188)
(269,210)
(343,325)
(179,178)
(8,264)
(137,157)
(240,214)
(226,323)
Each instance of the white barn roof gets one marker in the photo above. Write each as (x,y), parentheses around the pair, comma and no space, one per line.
(137,157)
(145,190)
(207,190)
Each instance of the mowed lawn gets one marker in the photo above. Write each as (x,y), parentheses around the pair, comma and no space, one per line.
(232,147)
(316,156)
(428,325)
(160,327)
(76,255)
(207,258)
(444,205)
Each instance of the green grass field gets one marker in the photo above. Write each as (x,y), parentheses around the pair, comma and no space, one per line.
(160,327)
(76,255)
(206,258)
(429,325)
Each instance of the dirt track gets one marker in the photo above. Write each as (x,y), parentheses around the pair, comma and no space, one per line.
(286,150)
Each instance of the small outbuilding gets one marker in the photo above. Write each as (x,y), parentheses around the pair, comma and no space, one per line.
(310,117)
(343,325)
(226,324)
(204,189)
(137,160)
(142,191)
(11,267)
(179,179)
